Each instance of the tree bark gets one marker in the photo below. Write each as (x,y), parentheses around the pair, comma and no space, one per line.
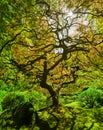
(44,84)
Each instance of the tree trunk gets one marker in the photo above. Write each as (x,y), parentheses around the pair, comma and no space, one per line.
(43,84)
(52,93)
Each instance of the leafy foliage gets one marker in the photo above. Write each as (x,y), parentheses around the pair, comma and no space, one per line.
(92,97)
(2,95)
(13,99)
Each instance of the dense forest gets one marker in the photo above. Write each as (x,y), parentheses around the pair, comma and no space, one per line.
(51,72)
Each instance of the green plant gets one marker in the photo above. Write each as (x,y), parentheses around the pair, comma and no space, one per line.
(92,97)
(11,100)
(2,95)
(36,98)
(3,85)
(15,98)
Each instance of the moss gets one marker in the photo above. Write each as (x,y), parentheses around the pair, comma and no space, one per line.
(22,114)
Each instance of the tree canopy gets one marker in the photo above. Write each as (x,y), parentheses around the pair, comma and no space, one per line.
(48,44)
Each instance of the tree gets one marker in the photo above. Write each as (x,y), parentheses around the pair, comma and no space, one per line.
(46,46)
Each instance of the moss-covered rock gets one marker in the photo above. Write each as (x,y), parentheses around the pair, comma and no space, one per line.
(22,114)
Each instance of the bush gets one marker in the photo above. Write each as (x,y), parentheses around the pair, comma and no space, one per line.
(36,98)
(92,97)
(11,100)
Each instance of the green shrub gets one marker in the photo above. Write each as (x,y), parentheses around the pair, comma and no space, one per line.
(11,100)
(92,97)
(15,98)
(36,98)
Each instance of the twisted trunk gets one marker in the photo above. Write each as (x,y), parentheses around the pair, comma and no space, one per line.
(44,84)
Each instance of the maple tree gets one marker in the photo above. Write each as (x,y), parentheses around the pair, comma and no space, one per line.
(53,47)
(43,45)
